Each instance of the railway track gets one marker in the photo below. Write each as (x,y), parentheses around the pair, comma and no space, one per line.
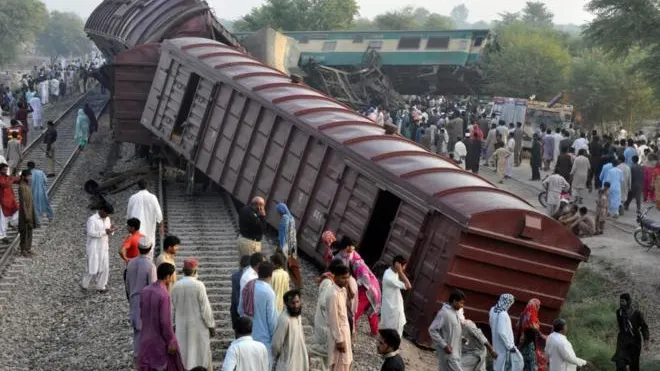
(65,155)
(207,225)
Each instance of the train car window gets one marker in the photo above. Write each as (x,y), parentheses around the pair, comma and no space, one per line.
(358,39)
(478,41)
(329,46)
(438,42)
(409,42)
(376,45)
(186,104)
(304,40)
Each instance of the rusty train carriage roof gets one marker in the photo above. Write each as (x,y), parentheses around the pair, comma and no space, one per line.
(466,193)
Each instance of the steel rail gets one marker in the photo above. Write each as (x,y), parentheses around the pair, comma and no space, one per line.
(5,260)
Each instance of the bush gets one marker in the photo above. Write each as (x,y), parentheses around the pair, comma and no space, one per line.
(590,313)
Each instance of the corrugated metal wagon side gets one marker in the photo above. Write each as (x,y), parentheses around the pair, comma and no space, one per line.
(133,73)
(254,132)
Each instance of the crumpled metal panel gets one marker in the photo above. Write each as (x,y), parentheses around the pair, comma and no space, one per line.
(117,25)
(358,134)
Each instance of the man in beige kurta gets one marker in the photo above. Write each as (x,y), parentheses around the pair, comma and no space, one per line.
(289,349)
(446,333)
(193,318)
(340,354)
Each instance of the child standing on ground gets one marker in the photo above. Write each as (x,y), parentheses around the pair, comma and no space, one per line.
(601,208)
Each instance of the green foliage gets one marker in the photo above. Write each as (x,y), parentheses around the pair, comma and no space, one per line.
(20,22)
(64,35)
(536,13)
(460,15)
(624,25)
(528,63)
(300,15)
(410,18)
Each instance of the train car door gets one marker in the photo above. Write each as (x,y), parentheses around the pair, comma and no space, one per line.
(325,191)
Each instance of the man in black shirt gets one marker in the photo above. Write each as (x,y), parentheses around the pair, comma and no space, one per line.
(251,225)
(388,345)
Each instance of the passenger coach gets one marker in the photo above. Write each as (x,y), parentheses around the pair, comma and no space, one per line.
(254,132)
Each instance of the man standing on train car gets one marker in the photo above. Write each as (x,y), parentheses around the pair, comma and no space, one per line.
(145,207)
(251,224)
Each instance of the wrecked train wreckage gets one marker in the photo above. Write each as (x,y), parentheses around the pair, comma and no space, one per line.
(365,86)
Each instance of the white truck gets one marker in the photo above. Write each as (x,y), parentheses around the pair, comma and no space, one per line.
(532,114)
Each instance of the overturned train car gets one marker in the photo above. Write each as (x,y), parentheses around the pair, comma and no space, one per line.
(128,33)
(254,132)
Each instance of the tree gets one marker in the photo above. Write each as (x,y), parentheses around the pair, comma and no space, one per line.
(528,63)
(20,22)
(506,19)
(604,90)
(436,21)
(64,36)
(300,15)
(363,24)
(481,25)
(536,13)
(623,25)
(460,15)
(403,19)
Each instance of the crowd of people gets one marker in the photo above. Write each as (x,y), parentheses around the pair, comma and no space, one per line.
(462,346)
(620,170)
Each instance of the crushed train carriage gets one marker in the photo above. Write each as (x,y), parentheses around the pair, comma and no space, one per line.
(128,33)
(254,132)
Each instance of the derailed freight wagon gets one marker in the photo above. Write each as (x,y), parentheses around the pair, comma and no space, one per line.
(128,33)
(254,132)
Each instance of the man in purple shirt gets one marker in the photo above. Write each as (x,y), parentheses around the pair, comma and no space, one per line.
(158,349)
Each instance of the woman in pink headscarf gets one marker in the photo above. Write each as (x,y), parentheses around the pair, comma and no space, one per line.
(369,296)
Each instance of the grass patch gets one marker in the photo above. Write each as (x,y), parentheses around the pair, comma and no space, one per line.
(590,313)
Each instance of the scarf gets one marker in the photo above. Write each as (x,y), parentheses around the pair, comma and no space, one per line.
(328,237)
(248,298)
(530,316)
(287,230)
(504,303)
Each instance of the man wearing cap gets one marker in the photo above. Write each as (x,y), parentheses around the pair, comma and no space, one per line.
(140,273)
(193,318)
(8,203)
(99,228)
(26,215)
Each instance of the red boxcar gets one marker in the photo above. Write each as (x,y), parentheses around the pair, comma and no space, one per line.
(254,132)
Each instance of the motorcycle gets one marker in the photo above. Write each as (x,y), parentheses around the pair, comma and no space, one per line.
(648,232)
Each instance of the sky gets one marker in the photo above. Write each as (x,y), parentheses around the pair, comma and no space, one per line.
(565,11)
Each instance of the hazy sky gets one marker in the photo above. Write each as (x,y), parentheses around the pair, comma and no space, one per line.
(566,11)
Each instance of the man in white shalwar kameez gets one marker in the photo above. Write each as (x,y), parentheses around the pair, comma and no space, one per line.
(43,91)
(193,318)
(245,353)
(37,119)
(144,206)
(508,356)
(289,349)
(54,88)
(560,353)
(99,228)
(392,313)
(446,333)
(555,184)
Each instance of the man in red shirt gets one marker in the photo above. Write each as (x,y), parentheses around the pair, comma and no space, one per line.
(8,204)
(129,249)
